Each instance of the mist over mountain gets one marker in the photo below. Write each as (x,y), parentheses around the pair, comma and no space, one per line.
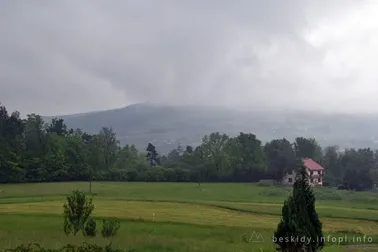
(168,126)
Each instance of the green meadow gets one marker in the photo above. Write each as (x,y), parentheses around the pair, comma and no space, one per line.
(184,216)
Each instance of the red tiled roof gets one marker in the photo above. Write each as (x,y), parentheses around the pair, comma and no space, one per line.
(312,165)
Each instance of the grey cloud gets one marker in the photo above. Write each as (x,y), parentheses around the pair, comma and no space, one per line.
(72,56)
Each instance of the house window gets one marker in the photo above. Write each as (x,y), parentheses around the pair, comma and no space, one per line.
(290,180)
(311,172)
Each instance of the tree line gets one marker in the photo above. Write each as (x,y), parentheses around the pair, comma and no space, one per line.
(32,150)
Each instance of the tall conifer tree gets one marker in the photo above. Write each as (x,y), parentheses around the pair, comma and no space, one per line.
(300,228)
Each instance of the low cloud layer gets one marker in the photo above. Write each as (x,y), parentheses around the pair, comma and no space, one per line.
(60,57)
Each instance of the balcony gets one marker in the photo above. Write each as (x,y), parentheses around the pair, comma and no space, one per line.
(316,175)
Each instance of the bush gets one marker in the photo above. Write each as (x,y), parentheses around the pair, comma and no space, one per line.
(90,228)
(31,247)
(327,184)
(342,187)
(85,247)
(110,227)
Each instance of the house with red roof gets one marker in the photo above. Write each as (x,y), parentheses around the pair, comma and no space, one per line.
(314,170)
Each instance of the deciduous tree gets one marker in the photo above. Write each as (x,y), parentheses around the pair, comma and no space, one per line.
(77,210)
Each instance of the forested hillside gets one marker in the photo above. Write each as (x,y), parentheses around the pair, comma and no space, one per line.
(34,151)
(168,126)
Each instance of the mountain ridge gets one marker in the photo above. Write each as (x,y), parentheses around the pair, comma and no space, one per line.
(166,126)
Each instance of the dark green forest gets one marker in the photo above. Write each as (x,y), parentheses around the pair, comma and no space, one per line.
(32,150)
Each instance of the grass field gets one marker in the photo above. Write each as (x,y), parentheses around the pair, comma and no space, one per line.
(183,216)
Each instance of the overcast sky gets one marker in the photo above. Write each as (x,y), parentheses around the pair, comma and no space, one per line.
(69,56)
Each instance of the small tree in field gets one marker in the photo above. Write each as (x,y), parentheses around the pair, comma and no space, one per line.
(300,228)
(76,212)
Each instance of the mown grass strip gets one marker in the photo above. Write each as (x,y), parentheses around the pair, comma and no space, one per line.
(185,213)
(257,208)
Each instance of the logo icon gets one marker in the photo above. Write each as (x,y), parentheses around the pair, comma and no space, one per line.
(253,237)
